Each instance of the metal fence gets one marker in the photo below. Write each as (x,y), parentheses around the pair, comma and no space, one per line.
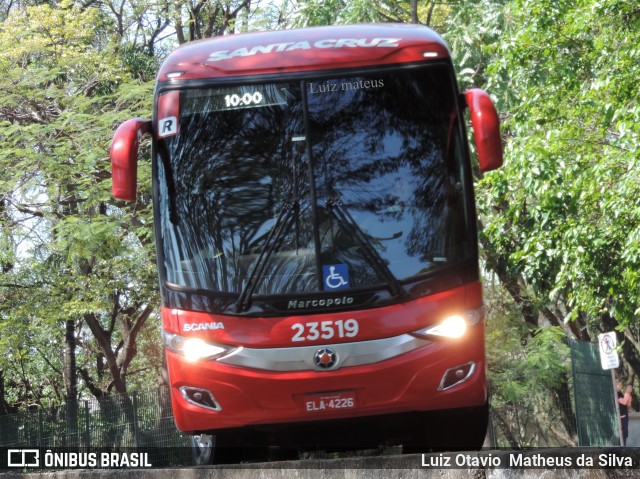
(596,408)
(544,418)
(581,412)
(140,420)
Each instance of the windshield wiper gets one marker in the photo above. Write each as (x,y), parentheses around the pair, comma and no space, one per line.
(369,251)
(285,220)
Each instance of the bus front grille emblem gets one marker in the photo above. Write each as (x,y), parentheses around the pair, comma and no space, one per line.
(325,358)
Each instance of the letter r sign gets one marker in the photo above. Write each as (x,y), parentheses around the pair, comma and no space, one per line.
(168,114)
(167,126)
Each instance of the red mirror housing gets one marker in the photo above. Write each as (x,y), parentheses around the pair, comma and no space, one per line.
(124,157)
(486,129)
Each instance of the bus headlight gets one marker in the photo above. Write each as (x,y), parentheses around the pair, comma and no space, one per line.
(451,327)
(195,349)
(454,326)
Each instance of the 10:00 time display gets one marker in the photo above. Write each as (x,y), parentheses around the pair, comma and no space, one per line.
(247,99)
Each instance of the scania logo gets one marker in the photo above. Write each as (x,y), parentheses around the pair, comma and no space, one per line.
(202,326)
(325,358)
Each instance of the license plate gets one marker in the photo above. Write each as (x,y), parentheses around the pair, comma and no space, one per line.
(330,401)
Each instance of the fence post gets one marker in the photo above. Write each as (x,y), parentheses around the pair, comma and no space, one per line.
(135,420)
(40,428)
(87,433)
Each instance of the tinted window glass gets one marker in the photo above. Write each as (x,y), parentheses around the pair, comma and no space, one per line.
(313,186)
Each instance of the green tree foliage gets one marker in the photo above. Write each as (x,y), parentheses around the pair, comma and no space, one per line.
(321,12)
(563,215)
(560,219)
(68,253)
(531,405)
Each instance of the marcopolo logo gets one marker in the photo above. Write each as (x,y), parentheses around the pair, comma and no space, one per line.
(23,458)
(320,303)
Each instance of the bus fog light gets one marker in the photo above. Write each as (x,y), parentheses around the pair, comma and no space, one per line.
(454,376)
(200,397)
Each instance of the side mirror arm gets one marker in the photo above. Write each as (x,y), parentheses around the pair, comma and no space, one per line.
(124,157)
(486,129)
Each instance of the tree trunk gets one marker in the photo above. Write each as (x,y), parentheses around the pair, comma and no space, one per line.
(4,407)
(414,12)
(71,384)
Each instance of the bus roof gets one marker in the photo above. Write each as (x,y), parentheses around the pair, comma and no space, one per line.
(302,50)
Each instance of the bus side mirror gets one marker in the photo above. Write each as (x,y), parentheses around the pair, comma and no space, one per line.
(486,129)
(124,157)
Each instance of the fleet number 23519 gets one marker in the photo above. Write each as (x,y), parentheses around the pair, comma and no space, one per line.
(325,330)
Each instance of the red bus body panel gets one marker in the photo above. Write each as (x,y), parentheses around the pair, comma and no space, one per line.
(408,382)
(305,50)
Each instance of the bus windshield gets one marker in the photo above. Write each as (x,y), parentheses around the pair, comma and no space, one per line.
(314,186)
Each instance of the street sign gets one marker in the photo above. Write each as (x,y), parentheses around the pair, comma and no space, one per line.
(607,343)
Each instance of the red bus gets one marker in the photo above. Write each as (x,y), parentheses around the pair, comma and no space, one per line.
(316,240)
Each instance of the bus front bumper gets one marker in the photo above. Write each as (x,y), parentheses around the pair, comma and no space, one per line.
(440,375)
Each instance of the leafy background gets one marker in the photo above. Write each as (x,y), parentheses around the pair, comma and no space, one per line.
(560,233)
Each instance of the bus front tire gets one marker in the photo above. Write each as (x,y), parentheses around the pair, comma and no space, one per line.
(450,431)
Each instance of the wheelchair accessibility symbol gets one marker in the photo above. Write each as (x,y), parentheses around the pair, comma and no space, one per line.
(336,276)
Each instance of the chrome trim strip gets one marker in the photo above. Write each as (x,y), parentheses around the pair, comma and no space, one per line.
(348,354)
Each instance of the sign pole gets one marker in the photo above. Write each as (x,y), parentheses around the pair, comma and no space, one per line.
(607,344)
(615,400)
